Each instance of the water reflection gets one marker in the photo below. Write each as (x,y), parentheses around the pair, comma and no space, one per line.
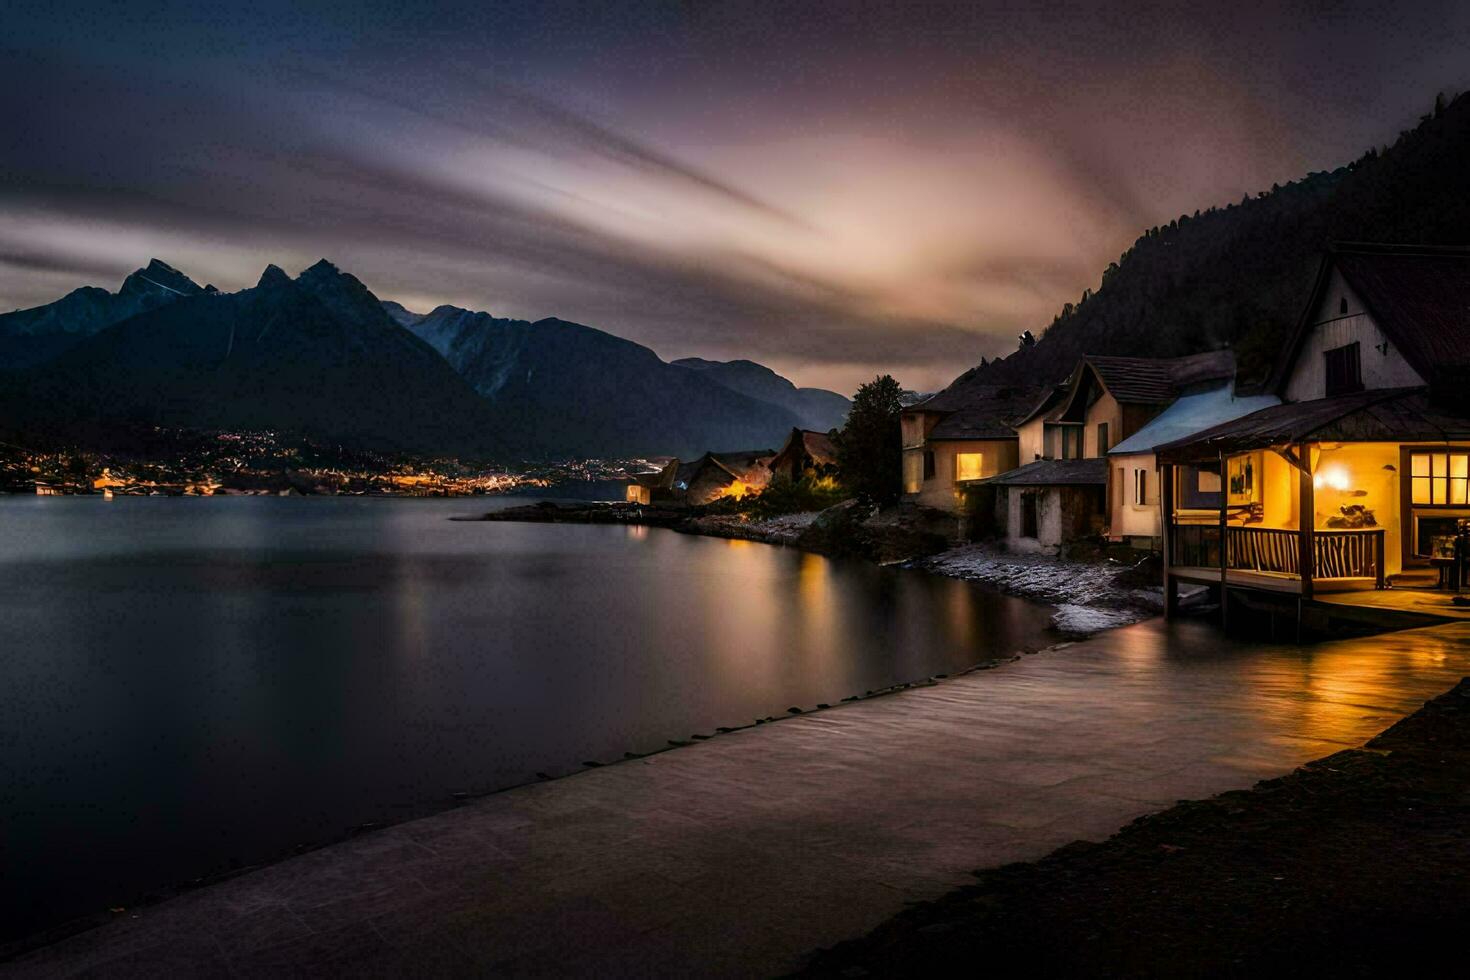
(189,683)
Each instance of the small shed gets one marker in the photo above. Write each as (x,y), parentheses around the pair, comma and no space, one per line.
(1051,502)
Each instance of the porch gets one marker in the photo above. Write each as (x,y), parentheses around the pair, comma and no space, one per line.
(1272,558)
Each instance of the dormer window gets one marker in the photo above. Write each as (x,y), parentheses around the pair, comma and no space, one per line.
(1344,370)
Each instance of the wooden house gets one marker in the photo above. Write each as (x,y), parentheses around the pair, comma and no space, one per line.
(1363,471)
(804,452)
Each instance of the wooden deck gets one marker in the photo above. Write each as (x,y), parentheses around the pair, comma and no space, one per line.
(1269,581)
(1428,605)
(1347,600)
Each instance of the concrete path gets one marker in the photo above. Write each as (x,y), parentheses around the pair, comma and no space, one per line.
(736,856)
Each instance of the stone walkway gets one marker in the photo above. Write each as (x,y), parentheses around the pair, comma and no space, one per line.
(737,856)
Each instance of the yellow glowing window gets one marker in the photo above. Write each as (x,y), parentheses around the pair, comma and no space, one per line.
(1440,478)
(967,466)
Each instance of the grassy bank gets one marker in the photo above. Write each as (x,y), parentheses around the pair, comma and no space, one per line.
(1355,865)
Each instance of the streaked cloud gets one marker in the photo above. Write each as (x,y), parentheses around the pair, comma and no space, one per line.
(826,190)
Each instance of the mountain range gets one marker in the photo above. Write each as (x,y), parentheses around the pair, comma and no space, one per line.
(320,356)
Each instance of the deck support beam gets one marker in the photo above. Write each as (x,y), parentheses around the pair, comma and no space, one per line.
(1166,525)
(1306,519)
(1224,561)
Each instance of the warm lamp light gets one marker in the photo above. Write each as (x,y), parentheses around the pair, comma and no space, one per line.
(1332,477)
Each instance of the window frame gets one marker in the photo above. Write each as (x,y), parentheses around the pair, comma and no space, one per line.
(1445,488)
(1140,487)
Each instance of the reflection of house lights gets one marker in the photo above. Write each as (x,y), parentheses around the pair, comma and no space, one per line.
(1332,477)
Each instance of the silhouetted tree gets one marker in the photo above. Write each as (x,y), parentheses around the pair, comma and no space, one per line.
(1028,339)
(870,445)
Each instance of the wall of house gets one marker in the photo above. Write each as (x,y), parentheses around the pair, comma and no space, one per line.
(1125,518)
(1382,364)
(940,492)
(1030,438)
(1280,488)
(915,428)
(1048,520)
(1063,514)
(1361,473)
(1105,410)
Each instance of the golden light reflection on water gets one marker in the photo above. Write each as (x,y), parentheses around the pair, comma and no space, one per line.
(1348,690)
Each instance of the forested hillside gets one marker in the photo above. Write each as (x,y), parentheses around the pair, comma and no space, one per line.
(1238,276)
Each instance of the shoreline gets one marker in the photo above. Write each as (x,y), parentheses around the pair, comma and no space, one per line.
(1090,596)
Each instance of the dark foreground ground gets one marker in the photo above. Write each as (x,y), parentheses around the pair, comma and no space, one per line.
(1354,865)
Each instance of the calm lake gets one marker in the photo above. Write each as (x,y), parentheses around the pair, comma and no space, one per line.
(191,685)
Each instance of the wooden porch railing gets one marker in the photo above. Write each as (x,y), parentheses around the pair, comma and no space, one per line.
(1336,553)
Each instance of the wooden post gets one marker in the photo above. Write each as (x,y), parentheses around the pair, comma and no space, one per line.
(1379,555)
(1166,531)
(1224,550)
(1306,519)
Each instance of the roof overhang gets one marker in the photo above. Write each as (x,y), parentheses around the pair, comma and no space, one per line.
(1385,415)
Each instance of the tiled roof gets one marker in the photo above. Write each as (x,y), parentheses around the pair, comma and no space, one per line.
(1420,298)
(978,411)
(1154,381)
(1055,472)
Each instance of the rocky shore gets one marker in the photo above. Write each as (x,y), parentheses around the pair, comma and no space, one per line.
(1357,864)
(1090,596)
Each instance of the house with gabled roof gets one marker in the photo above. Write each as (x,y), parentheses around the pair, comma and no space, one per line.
(1362,474)
(1061,494)
(646,488)
(1134,516)
(959,437)
(804,452)
(716,475)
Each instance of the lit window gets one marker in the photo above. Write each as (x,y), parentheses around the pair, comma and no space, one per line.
(1440,478)
(967,466)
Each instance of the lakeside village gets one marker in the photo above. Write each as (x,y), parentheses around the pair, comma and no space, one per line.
(1335,496)
(272,464)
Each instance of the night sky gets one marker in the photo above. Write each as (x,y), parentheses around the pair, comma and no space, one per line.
(834,191)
